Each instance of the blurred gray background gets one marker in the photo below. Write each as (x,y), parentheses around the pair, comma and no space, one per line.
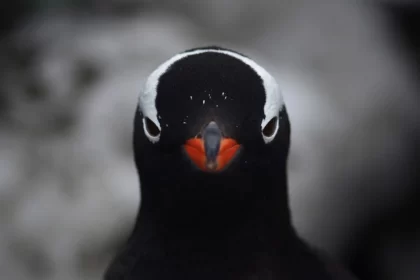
(71,74)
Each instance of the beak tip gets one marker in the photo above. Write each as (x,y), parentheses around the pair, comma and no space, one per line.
(211,165)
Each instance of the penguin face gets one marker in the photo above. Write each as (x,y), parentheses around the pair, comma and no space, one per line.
(214,108)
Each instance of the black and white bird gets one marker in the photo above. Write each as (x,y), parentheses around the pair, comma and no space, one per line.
(211,142)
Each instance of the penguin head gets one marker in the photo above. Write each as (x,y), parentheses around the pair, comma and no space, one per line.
(210,115)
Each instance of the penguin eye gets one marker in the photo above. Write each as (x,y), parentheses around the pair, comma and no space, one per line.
(270,129)
(151,129)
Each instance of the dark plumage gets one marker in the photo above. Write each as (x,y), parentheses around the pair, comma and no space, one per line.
(199,222)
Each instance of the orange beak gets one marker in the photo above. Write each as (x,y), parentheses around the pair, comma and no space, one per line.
(212,152)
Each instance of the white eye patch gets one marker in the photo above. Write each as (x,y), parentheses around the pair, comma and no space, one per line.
(273,101)
(151,130)
(151,125)
(269,130)
(273,104)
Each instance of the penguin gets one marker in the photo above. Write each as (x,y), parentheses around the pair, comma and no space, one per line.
(211,140)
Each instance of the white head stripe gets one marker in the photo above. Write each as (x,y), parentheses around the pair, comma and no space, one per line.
(273,103)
